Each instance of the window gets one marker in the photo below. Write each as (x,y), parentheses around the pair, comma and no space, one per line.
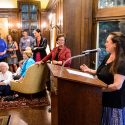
(29,17)
(109,18)
(104,28)
(110,3)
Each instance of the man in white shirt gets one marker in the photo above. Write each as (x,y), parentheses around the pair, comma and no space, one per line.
(5,78)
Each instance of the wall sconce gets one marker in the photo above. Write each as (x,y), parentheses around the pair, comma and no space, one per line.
(50,17)
(18,25)
(13,28)
(52,20)
(44,25)
(60,23)
(56,24)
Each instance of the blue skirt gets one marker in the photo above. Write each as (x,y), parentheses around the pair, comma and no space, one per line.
(113,116)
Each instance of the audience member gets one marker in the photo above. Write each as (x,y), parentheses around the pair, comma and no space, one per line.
(29,49)
(112,72)
(3,49)
(12,56)
(25,41)
(39,50)
(5,77)
(28,61)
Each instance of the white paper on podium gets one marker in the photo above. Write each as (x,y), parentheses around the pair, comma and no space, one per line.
(80,73)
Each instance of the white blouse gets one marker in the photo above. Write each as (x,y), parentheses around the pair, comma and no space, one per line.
(6,77)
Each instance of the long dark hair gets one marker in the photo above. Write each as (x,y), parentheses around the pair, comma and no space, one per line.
(119,39)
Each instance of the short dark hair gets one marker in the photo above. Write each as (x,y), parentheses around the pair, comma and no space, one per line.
(60,35)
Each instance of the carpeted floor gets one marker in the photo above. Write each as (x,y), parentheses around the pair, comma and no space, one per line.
(24,101)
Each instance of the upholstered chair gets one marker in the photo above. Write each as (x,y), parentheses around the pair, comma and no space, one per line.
(34,80)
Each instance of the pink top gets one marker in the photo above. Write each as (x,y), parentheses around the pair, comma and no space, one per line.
(38,57)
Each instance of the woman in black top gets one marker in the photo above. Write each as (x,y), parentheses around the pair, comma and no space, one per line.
(112,72)
(40,44)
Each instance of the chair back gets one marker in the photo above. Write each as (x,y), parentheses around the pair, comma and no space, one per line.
(34,80)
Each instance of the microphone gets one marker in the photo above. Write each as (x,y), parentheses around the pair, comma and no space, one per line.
(91,51)
(73,57)
(84,53)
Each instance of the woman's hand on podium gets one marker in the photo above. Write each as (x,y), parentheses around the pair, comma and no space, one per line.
(85,68)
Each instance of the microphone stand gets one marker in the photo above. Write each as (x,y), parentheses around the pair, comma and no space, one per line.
(73,57)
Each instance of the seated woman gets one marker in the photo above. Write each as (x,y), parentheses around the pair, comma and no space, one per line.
(28,61)
(5,78)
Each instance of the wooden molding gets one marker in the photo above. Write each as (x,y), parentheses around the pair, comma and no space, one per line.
(110,13)
(7,10)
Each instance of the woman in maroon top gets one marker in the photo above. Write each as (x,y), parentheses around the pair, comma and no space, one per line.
(60,53)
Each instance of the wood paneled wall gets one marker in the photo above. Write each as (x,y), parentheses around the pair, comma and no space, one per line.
(45,31)
(55,7)
(77,15)
(13,18)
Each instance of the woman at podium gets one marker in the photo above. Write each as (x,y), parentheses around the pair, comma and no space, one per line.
(112,72)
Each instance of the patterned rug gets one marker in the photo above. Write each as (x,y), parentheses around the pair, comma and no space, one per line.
(24,101)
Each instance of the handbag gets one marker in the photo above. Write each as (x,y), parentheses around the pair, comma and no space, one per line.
(13,55)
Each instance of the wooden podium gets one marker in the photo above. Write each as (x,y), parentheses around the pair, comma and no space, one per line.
(78,99)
